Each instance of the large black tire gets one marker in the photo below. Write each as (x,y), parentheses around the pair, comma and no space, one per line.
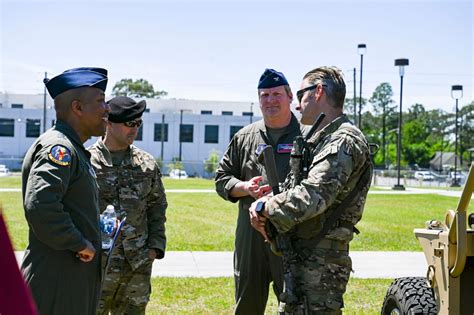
(407,296)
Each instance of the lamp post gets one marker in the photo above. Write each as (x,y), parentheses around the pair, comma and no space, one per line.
(456,93)
(44,102)
(251,112)
(361,49)
(401,63)
(180,127)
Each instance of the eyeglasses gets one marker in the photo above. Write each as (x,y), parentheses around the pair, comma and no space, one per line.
(301,92)
(134,123)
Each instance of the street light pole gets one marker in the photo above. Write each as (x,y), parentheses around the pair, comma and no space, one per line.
(401,63)
(361,48)
(355,99)
(251,112)
(456,93)
(44,102)
(180,140)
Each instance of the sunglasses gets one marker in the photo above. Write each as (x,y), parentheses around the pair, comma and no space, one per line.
(134,123)
(301,92)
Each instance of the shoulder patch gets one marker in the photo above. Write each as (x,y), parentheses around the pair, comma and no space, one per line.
(60,155)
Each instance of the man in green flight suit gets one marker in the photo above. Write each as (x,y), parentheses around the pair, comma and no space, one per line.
(239,178)
(130,180)
(60,197)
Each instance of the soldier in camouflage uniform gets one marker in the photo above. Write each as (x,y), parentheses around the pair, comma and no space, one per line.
(238,178)
(129,179)
(339,157)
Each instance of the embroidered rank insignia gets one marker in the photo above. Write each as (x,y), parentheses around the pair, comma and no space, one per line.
(284,147)
(60,155)
(260,148)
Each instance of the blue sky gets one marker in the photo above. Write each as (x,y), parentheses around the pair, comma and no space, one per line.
(216,50)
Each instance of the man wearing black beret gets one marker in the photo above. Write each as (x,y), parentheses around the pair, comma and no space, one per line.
(130,179)
(238,178)
(60,198)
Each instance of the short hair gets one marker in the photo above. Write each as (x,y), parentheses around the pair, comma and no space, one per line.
(287,90)
(63,101)
(332,80)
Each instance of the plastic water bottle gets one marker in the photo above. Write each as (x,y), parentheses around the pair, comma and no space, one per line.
(107,226)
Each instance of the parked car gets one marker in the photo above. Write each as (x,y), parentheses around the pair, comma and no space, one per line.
(4,171)
(460,177)
(424,175)
(179,174)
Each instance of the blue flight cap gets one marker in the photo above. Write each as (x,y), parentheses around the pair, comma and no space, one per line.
(271,78)
(76,78)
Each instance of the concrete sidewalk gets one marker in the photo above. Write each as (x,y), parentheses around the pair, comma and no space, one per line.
(219,264)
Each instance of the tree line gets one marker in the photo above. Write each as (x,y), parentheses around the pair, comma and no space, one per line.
(424,132)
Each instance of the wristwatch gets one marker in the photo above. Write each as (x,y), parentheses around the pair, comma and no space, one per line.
(260,208)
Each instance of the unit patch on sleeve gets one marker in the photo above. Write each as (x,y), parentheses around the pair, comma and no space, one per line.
(60,155)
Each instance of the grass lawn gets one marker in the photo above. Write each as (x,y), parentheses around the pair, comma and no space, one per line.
(215,296)
(205,222)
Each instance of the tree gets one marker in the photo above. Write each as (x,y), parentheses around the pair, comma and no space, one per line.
(138,88)
(466,130)
(210,165)
(381,101)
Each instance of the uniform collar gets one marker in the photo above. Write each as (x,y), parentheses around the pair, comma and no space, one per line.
(330,128)
(293,125)
(65,128)
(106,158)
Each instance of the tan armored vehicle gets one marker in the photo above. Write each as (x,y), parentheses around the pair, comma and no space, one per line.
(448,287)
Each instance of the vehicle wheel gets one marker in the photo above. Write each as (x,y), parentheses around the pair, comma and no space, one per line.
(407,296)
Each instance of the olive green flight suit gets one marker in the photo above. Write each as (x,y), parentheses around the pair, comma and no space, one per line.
(60,199)
(255,265)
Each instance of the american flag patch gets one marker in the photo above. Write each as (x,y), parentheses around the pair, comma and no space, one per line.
(284,147)
(260,148)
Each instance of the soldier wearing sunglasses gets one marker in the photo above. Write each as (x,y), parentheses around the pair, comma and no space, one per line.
(129,179)
(317,215)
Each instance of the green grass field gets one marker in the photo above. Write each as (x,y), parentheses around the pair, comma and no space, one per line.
(215,296)
(205,222)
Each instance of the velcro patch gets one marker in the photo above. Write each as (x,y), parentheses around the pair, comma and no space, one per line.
(260,148)
(60,155)
(284,147)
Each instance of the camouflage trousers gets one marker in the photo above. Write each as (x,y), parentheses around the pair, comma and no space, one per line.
(320,278)
(125,291)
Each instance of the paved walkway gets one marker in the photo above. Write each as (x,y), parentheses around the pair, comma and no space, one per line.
(219,264)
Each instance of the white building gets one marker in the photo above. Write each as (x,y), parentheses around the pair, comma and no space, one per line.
(205,126)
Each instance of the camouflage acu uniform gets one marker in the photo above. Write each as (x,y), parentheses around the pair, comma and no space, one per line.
(255,265)
(340,154)
(135,189)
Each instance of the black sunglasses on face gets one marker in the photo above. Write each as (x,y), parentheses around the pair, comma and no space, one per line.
(134,123)
(301,92)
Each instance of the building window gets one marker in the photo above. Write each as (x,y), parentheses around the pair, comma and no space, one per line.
(17,105)
(140,134)
(211,134)
(33,128)
(186,133)
(147,110)
(247,114)
(7,127)
(226,113)
(233,131)
(206,112)
(158,132)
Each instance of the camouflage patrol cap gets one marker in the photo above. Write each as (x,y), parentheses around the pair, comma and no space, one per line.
(123,109)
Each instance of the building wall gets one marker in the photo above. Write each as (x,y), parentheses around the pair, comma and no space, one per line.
(193,154)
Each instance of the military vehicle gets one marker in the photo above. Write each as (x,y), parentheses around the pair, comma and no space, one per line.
(448,287)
